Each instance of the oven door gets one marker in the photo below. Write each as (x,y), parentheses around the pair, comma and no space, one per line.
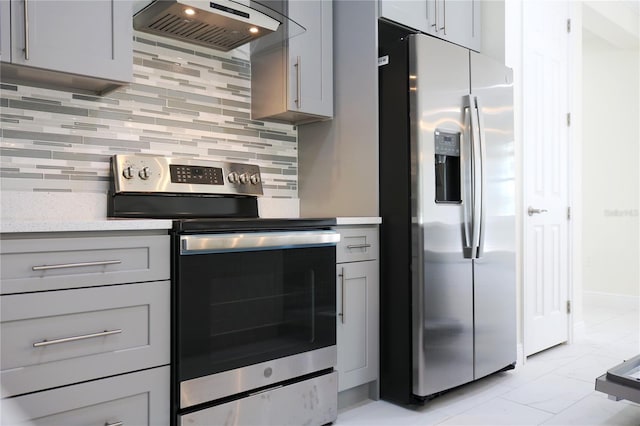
(253,309)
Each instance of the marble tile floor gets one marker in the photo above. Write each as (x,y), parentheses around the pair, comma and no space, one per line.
(555,387)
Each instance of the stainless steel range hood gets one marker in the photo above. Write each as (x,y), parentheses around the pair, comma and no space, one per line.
(220,24)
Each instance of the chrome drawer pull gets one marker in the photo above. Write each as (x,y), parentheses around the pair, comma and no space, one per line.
(341,314)
(114,424)
(76,265)
(355,246)
(74,338)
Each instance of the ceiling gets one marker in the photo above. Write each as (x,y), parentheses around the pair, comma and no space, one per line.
(616,23)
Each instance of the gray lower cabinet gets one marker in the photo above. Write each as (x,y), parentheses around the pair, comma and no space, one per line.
(84,328)
(140,398)
(457,21)
(56,262)
(358,306)
(292,69)
(57,338)
(67,44)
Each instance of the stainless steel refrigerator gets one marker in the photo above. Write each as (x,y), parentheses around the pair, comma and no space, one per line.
(447,201)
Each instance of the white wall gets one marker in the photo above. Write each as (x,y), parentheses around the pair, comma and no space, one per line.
(610,156)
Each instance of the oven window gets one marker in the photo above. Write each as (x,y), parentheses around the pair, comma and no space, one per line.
(237,309)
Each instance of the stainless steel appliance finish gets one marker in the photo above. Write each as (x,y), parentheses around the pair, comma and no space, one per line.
(463,328)
(254,310)
(253,306)
(212,243)
(158,175)
(622,381)
(310,402)
(221,24)
(232,382)
(460,166)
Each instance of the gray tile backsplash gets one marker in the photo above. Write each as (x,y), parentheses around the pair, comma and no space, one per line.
(184,101)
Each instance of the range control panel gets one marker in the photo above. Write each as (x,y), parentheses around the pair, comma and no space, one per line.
(148,173)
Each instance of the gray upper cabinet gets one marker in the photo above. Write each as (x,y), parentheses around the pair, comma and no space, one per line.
(5,31)
(410,13)
(292,69)
(457,21)
(68,44)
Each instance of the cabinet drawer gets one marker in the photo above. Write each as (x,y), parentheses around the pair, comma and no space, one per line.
(140,398)
(357,243)
(58,263)
(62,337)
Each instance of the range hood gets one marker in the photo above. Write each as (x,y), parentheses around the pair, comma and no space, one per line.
(220,24)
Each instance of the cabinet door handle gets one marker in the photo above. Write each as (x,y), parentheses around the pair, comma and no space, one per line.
(26,31)
(435,12)
(74,338)
(341,314)
(298,83)
(75,265)
(113,424)
(444,17)
(355,246)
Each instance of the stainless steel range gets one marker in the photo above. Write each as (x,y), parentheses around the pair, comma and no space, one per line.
(253,300)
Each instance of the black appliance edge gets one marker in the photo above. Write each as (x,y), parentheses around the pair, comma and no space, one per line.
(178,206)
(396,364)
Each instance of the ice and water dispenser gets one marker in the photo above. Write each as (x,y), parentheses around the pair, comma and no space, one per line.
(447,167)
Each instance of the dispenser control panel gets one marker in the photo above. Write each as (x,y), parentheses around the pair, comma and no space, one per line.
(447,167)
(447,143)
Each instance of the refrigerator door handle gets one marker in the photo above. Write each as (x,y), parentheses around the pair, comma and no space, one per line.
(466,158)
(476,175)
(483,161)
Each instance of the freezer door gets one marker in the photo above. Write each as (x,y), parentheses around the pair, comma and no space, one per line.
(494,271)
(442,304)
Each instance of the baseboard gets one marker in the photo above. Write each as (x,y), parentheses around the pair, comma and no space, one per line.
(520,358)
(610,300)
(356,396)
(579,331)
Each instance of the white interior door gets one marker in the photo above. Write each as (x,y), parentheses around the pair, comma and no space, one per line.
(545,97)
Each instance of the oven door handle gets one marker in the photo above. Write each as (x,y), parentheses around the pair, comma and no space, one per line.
(252,241)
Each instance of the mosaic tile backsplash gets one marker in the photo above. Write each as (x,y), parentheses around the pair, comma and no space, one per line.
(184,101)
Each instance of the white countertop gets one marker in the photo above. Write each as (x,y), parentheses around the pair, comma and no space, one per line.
(18,226)
(83,225)
(358,220)
(23,212)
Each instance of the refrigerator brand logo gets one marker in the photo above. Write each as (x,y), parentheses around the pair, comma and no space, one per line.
(383,60)
(621,213)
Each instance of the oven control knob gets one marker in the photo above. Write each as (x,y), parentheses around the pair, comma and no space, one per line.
(128,173)
(244,178)
(144,173)
(255,178)
(232,177)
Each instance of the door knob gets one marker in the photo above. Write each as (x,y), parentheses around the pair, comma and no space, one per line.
(531,211)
